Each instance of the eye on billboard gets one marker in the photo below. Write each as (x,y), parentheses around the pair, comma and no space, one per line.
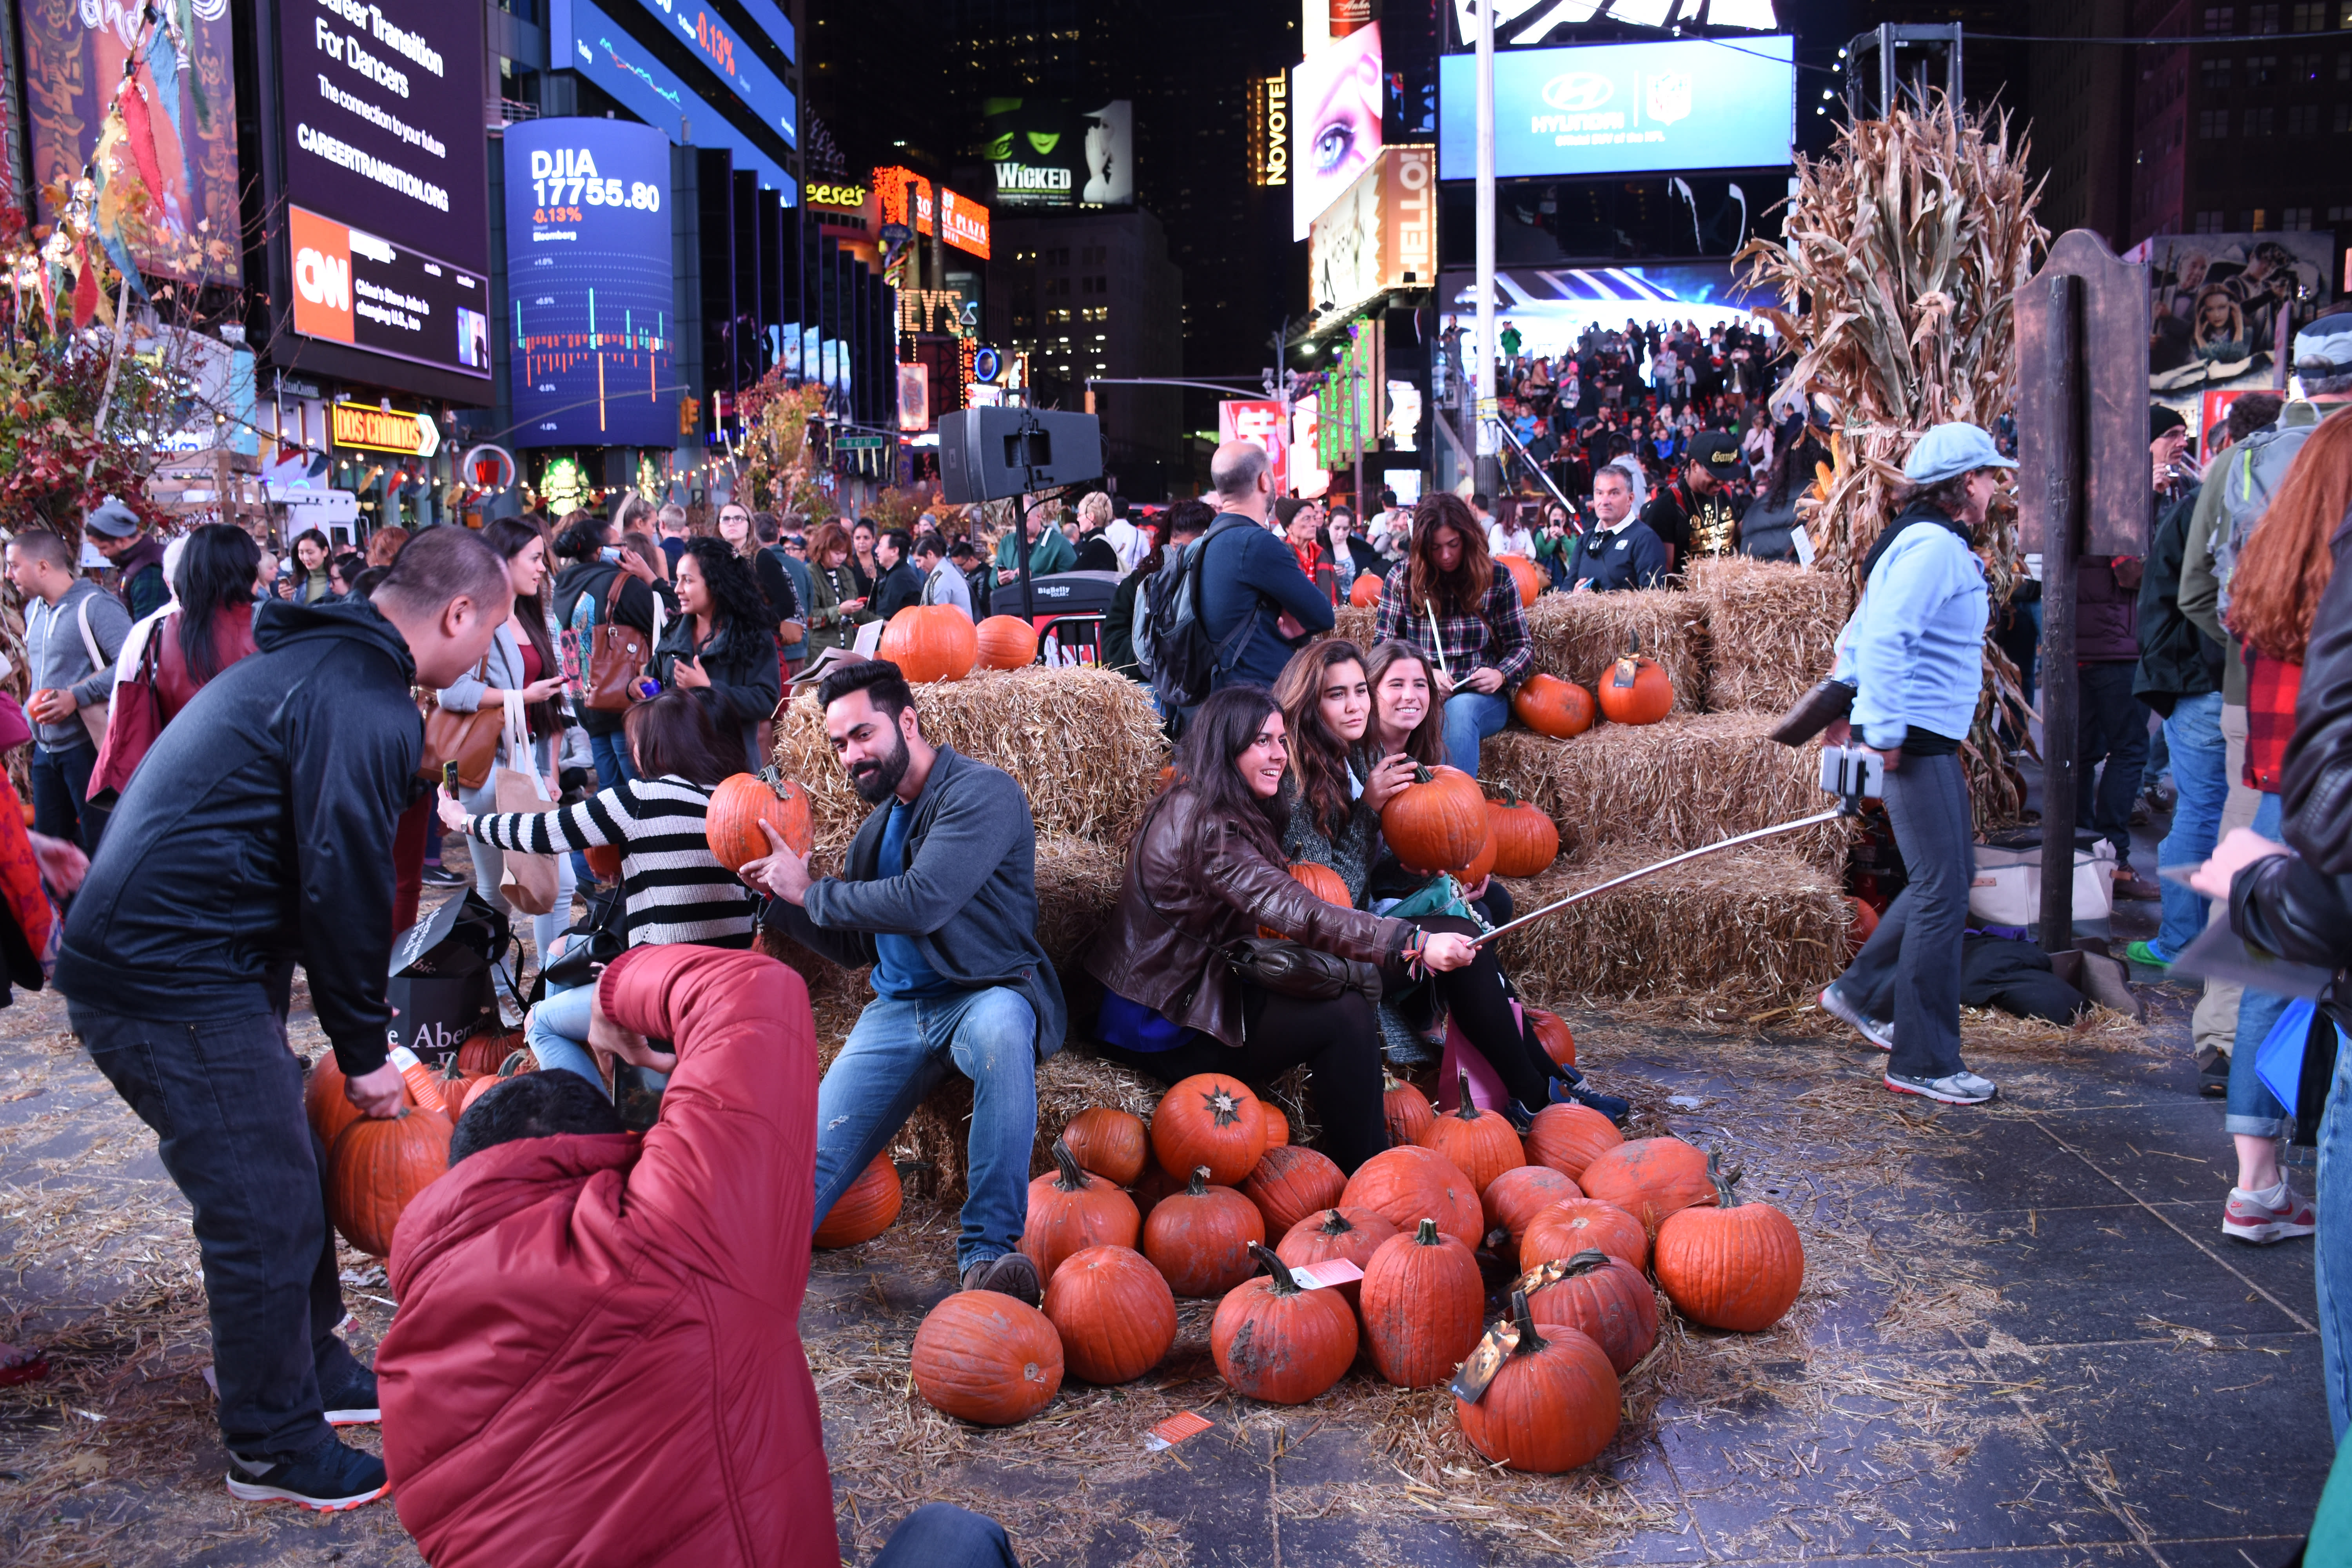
(1335,122)
(1622,109)
(592,319)
(1047,153)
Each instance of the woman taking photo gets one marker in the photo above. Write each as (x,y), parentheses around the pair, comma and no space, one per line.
(672,890)
(838,603)
(1207,866)
(305,582)
(521,660)
(1449,578)
(721,644)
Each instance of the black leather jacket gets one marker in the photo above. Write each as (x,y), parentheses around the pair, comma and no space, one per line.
(2300,906)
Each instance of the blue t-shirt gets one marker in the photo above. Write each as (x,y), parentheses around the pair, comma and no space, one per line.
(900,970)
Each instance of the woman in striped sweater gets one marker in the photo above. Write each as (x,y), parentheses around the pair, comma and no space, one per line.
(672,888)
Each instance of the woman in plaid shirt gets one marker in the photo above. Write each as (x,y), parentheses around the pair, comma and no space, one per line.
(1448,599)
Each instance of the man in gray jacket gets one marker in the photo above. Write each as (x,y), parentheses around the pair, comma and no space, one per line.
(939,893)
(73,634)
(943,584)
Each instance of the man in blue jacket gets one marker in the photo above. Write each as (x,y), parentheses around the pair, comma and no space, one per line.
(257,834)
(1914,653)
(1250,573)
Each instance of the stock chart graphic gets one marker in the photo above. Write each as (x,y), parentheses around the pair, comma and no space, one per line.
(589,313)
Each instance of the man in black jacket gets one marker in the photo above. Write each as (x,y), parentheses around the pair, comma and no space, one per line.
(257,834)
(900,584)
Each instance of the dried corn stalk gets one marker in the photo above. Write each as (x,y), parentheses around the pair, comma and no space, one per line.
(1905,249)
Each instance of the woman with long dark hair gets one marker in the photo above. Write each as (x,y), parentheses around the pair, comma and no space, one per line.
(1206,866)
(1449,599)
(723,644)
(213,626)
(304,580)
(1767,529)
(595,583)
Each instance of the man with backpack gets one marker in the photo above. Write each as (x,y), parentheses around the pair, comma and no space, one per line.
(1255,607)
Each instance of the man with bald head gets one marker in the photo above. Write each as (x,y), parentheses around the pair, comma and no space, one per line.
(1257,605)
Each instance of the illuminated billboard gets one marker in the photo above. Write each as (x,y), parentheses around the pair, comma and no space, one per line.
(591,320)
(1335,122)
(1380,235)
(1047,152)
(584,38)
(1624,109)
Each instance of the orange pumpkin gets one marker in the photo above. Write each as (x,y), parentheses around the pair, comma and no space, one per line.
(1071,1209)
(1526,841)
(1277,1125)
(1405,1186)
(865,1209)
(1649,1178)
(1290,1183)
(1005,642)
(1552,1406)
(931,642)
(1109,1142)
(375,1170)
(730,825)
(1575,1225)
(1366,591)
(453,1084)
(1320,880)
(324,1099)
(1482,1145)
(1438,822)
(1733,1265)
(515,1065)
(1209,1120)
(1424,1306)
(1636,691)
(1405,1109)
(1482,862)
(1865,923)
(1552,1034)
(1599,1295)
(1113,1311)
(1199,1239)
(1550,705)
(1515,1198)
(1524,572)
(1352,1234)
(1275,1341)
(983,1357)
(1567,1137)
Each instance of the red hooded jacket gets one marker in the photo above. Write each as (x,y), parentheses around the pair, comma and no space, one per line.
(596,1357)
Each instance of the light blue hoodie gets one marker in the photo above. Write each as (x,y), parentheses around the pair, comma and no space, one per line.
(1913,648)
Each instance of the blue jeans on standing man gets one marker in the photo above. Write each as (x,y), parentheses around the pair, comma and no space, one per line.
(2332,1260)
(894,1057)
(2200,778)
(2251,1109)
(61,807)
(1470,718)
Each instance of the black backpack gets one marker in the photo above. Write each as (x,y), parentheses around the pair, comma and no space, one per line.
(1172,642)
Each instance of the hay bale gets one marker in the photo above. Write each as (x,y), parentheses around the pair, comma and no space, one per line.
(1355,624)
(1771,630)
(1083,744)
(1750,927)
(1689,779)
(1577,636)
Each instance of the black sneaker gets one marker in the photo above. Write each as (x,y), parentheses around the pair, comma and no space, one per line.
(1011,1275)
(353,1405)
(329,1478)
(2212,1074)
(442,876)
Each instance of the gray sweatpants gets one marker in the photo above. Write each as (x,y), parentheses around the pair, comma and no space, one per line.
(1909,969)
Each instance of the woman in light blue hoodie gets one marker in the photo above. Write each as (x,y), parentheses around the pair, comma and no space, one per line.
(1914,652)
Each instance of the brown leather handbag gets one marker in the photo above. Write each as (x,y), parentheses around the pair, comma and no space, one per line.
(617,656)
(468,739)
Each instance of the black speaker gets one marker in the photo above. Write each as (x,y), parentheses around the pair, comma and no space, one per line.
(987,454)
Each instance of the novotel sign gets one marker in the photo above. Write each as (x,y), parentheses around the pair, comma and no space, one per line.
(1270,130)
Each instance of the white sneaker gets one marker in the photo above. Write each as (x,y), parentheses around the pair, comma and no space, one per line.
(1962,1088)
(1877,1031)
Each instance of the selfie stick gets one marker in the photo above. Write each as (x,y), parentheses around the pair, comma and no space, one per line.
(1438,637)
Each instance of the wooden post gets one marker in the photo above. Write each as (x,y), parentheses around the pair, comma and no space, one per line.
(2062,527)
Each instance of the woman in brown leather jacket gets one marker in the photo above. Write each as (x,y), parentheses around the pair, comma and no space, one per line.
(1206,867)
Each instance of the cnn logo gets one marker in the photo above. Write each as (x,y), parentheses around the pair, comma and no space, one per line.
(324,280)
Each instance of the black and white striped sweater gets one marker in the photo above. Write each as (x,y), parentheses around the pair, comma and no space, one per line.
(675,890)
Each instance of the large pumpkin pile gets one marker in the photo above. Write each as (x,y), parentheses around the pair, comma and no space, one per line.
(1210,1201)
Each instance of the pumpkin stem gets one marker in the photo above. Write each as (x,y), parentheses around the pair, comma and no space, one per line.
(1421,773)
(1723,1182)
(1333,1223)
(1072,1178)
(1284,1285)
(1585,1262)
(1426,1234)
(1530,1342)
(1198,1188)
(513,1064)
(1468,1110)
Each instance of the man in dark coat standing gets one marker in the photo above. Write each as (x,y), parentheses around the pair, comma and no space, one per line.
(137,557)
(257,834)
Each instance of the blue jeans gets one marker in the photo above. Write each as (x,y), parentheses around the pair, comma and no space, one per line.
(941,1535)
(61,806)
(2252,1109)
(894,1057)
(2200,774)
(1470,718)
(2331,1261)
(1908,973)
(557,1033)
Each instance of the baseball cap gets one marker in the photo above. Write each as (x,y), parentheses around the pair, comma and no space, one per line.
(1717,451)
(112,520)
(1948,449)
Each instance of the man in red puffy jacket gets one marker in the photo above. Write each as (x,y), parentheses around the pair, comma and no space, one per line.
(596,1358)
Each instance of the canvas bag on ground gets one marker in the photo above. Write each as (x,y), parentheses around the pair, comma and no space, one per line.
(442,989)
(528,881)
